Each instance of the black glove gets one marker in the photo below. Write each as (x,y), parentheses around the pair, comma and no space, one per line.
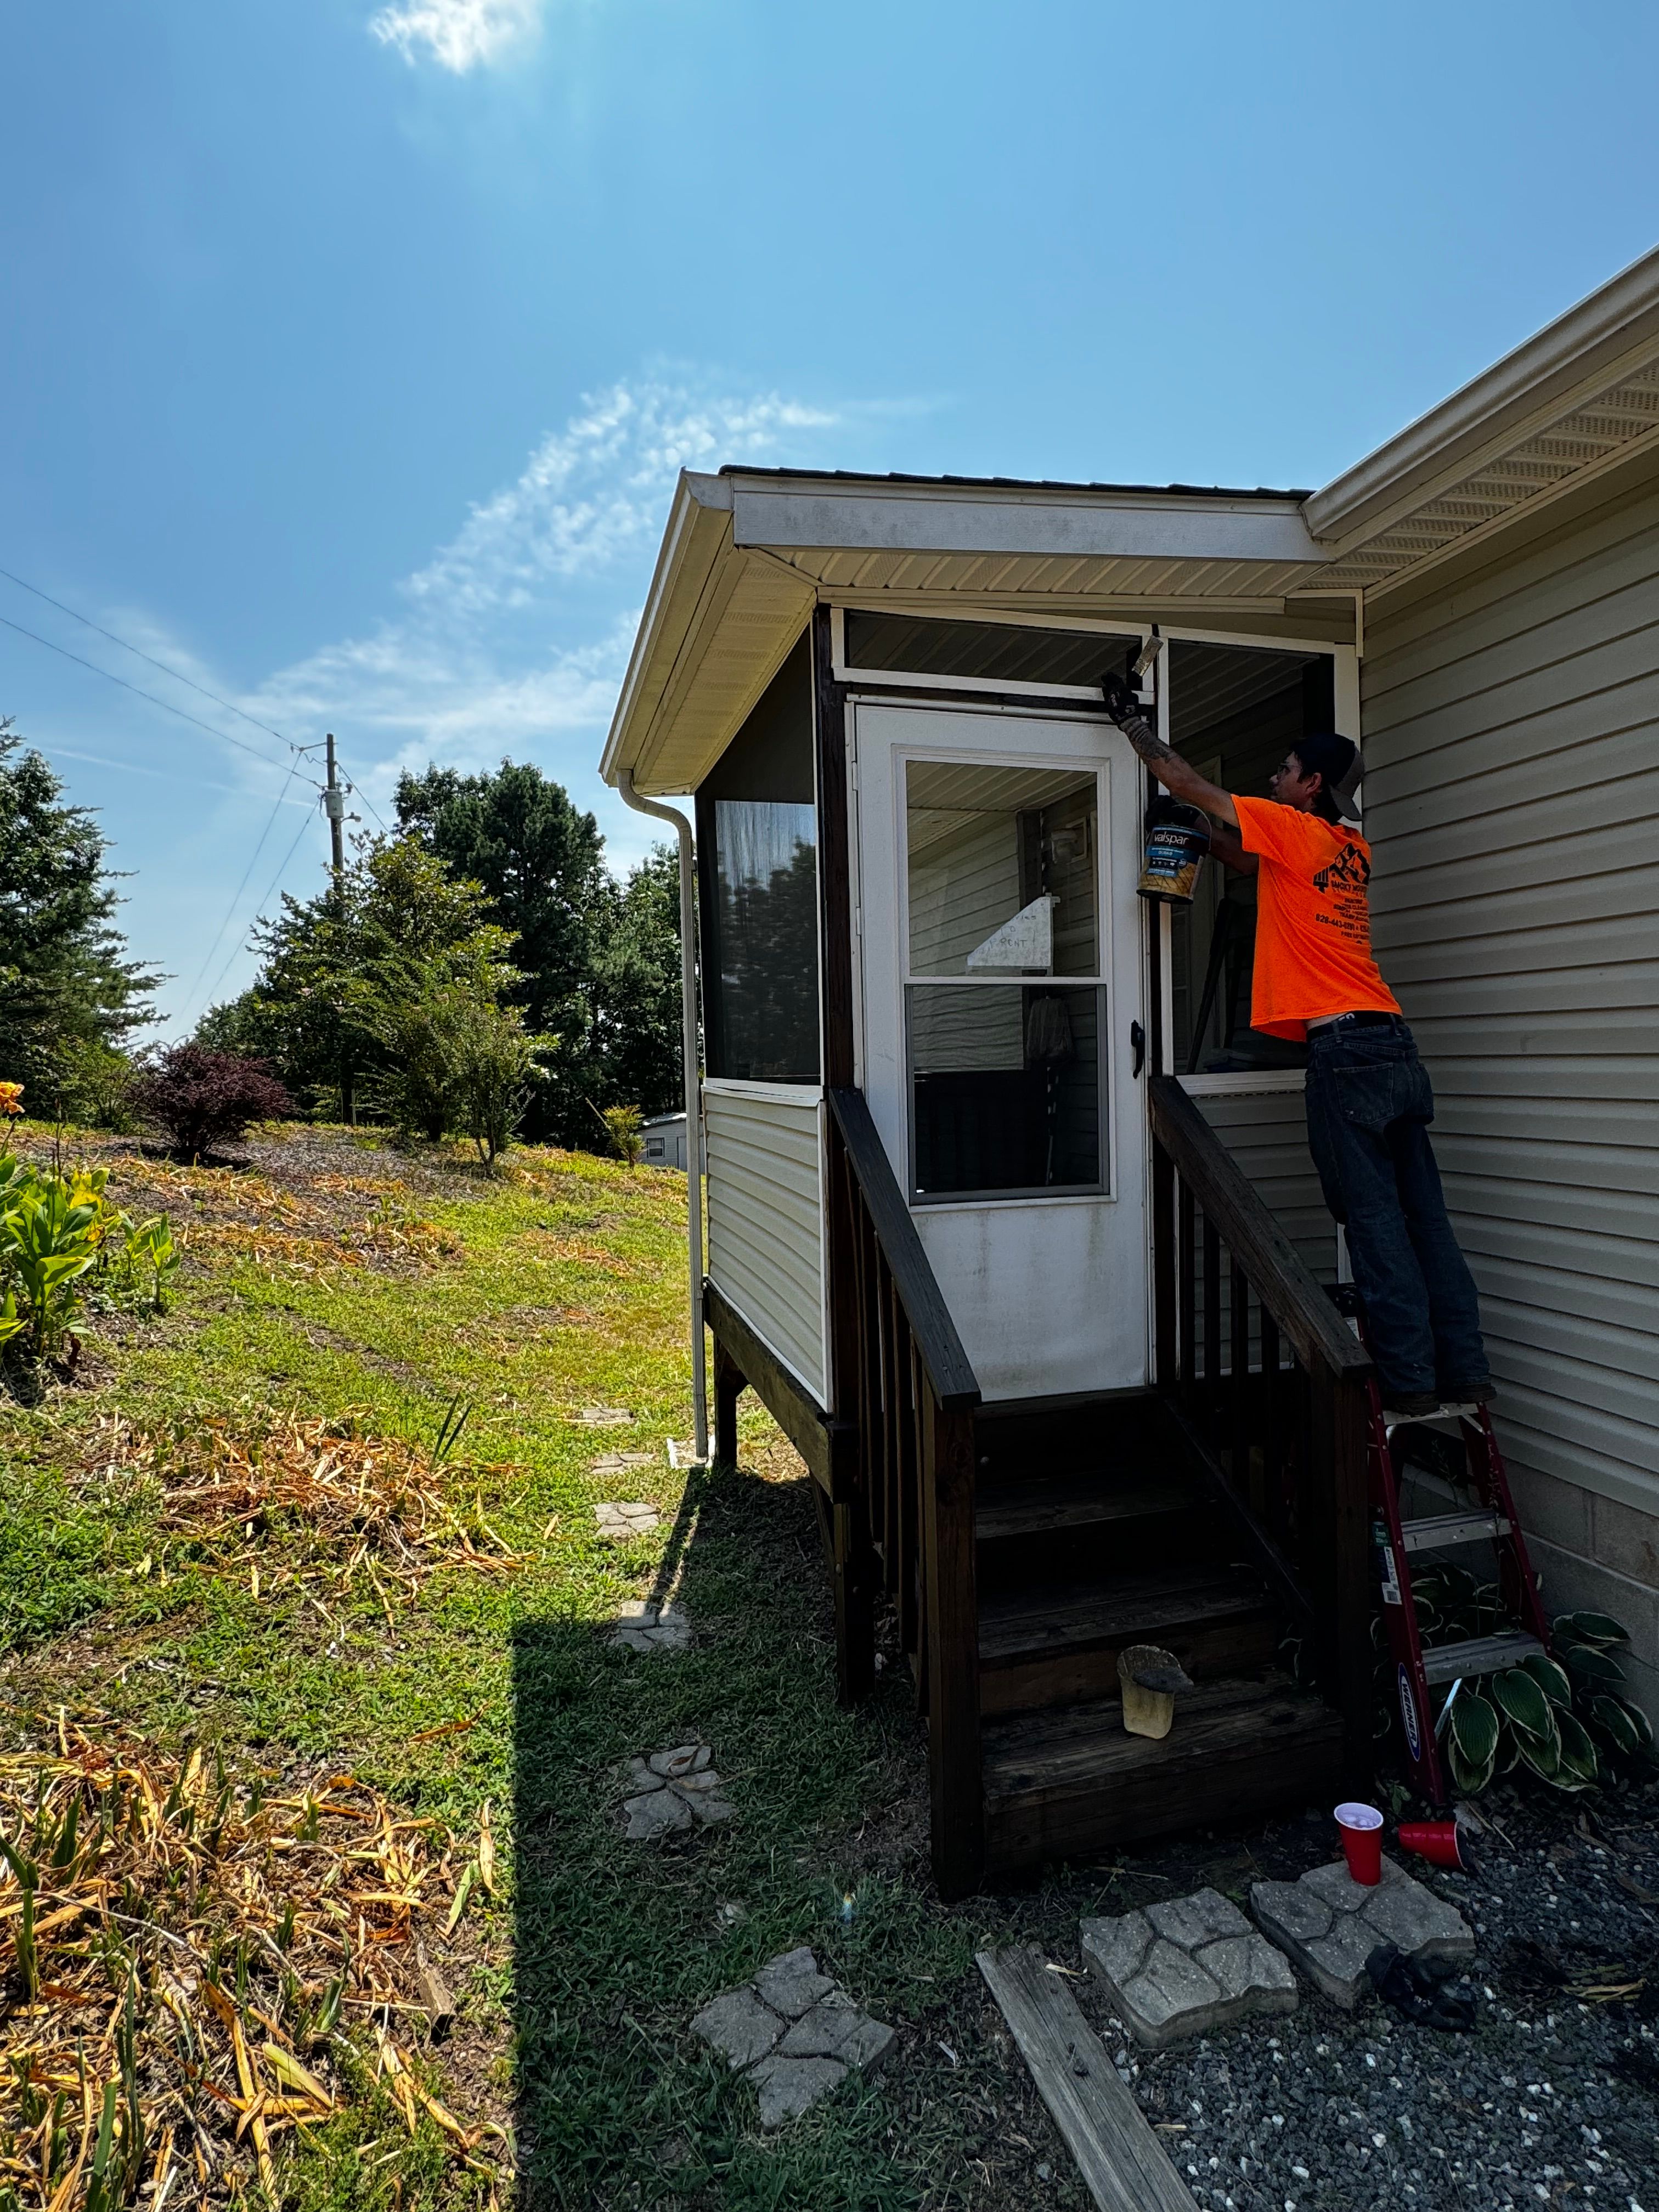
(1120,696)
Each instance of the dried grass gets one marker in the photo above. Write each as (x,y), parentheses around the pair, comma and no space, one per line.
(345,1504)
(223,1215)
(183,1958)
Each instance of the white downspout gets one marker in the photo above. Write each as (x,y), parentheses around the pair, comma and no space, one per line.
(693,1095)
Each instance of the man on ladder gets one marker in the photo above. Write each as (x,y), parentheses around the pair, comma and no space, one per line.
(1368,1097)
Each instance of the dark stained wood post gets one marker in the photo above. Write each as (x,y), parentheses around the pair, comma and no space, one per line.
(729,1384)
(956,1784)
(1167,1366)
(1350,1538)
(1186,1266)
(1239,1440)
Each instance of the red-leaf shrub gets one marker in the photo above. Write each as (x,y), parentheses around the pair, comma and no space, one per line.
(201,1098)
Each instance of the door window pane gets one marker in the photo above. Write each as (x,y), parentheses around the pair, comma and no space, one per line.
(1005,1088)
(1003,870)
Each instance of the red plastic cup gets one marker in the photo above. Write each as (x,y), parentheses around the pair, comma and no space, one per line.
(1361,1830)
(1437,1841)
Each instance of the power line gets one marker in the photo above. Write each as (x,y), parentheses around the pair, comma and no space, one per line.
(359,792)
(271,887)
(236,896)
(167,705)
(166,668)
(178,675)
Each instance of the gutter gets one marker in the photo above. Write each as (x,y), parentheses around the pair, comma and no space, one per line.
(693,1099)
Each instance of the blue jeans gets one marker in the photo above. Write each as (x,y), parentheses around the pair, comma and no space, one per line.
(1369,1109)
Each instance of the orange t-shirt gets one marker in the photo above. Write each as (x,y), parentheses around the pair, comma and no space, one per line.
(1313,921)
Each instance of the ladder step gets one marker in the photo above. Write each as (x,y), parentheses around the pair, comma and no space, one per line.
(1479,1654)
(1439,1528)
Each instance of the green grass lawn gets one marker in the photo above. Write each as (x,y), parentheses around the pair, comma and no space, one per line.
(338,1279)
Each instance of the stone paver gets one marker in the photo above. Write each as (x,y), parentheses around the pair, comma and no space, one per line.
(1186,1966)
(622,1463)
(605,1417)
(621,1523)
(644,1627)
(673,1791)
(795,2033)
(1330,1924)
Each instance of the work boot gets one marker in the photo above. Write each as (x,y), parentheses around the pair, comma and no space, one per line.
(1409,1404)
(1468,1394)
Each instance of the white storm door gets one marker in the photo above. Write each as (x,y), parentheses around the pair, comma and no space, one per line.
(1001,965)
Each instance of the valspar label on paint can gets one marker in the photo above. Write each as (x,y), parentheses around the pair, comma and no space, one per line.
(1177,838)
(1408,1714)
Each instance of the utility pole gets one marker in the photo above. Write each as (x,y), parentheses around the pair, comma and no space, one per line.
(334,807)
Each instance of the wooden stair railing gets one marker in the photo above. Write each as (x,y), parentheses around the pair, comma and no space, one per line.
(1269,1383)
(904,1381)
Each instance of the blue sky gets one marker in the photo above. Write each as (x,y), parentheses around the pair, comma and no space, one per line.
(352,346)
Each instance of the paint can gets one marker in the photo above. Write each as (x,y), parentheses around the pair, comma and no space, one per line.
(1177,838)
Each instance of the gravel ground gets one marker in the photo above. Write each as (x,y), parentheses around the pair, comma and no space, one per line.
(1330,2110)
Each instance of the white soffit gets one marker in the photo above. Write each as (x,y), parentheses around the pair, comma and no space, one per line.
(1576,400)
(747,556)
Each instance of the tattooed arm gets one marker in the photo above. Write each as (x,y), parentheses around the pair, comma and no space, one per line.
(1174,773)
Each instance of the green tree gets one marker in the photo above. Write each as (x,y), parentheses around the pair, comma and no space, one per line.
(69,1000)
(387,983)
(541,862)
(635,1030)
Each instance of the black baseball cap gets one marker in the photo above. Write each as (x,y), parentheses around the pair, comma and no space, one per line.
(1336,759)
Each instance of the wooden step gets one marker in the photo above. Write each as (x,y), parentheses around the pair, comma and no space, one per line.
(1010,1506)
(1058,1643)
(1066,1784)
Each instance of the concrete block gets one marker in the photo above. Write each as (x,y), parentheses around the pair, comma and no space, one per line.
(1184,1967)
(795,2032)
(1625,1540)
(1329,1924)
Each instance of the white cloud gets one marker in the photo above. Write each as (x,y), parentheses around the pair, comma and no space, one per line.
(458,33)
(513,637)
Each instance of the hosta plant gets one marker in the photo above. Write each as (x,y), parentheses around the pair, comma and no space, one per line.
(1560,1718)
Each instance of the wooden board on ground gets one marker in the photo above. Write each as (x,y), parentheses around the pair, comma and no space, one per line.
(1121,2158)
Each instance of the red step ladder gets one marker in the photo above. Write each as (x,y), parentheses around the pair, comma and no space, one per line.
(1396,1543)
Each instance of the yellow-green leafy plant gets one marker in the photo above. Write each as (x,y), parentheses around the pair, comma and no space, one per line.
(625,1126)
(59,1233)
(48,1241)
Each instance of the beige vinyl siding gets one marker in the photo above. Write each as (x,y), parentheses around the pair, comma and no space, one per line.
(1266,1133)
(1511,732)
(765,1147)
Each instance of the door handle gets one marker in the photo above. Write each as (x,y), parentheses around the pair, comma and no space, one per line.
(1137,1044)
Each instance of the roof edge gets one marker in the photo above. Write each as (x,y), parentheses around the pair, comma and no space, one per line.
(1619,315)
(695,497)
(901,480)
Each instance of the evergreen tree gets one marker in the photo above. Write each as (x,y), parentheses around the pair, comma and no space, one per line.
(594,955)
(69,1000)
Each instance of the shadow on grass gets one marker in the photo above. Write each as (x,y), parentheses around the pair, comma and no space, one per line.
(619,1943)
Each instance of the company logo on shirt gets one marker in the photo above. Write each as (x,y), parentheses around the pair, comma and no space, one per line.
(1349,872)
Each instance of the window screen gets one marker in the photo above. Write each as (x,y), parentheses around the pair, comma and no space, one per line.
(1235,712)
(758,867)
(1004,999)
(1002,652)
